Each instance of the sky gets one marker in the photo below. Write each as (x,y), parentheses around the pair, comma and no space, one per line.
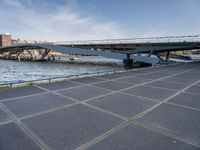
(66,20)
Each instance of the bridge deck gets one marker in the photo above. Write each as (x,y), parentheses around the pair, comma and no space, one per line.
(155,108)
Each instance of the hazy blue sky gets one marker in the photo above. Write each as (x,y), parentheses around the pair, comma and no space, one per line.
(60,20)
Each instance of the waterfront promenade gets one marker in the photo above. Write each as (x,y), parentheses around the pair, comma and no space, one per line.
(148,109)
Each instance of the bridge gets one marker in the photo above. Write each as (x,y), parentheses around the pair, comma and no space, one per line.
(128,50)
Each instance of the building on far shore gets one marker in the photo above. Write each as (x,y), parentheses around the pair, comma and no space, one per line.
(5,40)
(19,41)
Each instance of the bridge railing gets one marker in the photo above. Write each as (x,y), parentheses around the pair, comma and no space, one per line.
(168,39)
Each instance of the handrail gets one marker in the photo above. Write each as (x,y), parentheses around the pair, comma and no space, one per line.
(48,80)
(194,38)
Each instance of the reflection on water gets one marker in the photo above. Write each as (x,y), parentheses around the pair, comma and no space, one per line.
(13,71)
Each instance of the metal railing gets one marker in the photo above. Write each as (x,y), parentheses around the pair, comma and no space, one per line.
(195,38)
(77,76)
(54,79)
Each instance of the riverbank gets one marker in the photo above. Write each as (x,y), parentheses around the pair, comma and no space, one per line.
(78,76)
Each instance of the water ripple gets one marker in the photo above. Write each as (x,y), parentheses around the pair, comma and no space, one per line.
(13,71)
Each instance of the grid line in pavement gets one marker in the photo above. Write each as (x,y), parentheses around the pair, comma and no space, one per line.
(131,120)
(76,101)
(26,130)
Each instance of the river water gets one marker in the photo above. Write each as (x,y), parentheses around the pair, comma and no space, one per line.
(13,71)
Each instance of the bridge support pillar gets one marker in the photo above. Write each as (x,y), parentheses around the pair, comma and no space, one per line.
(128,63)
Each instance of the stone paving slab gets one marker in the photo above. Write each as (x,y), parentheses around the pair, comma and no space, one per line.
(113,85)
(167,85)
(71,127)
(190,76)
(138,138)
(177,79)
(133,80)
(187,99)
(132,73)
(177,120)
(198,84)
(150,92)
(151,75)
(194,89)
(84,92)
(59,85)
(35,104)
(3,116)
(87,80)
(108,76)
(18,92)
(13,138)
(125,105)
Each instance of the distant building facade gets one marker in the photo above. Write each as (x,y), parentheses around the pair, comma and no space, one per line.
(5,40)
(18,41)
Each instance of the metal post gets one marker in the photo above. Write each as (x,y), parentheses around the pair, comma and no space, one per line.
(167,57)
(151,52)
(159,57)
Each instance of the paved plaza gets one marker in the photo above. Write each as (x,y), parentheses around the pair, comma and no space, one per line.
(146,109)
